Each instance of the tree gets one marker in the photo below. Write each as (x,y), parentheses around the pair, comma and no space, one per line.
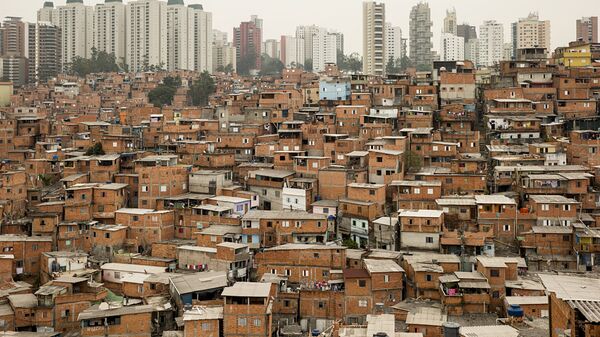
(164,93)
(412,161)
(247,63)
(95,150)
(405,63)
(174,82)
(100,62)
(393,66)
(270,66)
(350,244)
(202,88)
(424,67)
(308,65)
(228,69)
(350,63)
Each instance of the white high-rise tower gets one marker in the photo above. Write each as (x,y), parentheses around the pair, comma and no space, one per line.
(109,20)
(146,35)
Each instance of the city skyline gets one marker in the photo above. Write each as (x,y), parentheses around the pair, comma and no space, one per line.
(563,19)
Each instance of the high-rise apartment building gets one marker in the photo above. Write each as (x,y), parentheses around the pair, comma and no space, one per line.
(109,21)
(450,24)
(587,29)
(374,39)
(339,41)
(420,36)
(44,61)
(472,51)
(14,33)
(393,43)
(271,47)
(76,22)
(507,51)
(247,39)
(466,31)
(320,46)
(179,36)
(223,55)
(48,13)
(258,22)
(219,36)
(292,51)
(146,36)
(202,38)
(469,34)
(13,61)
(452,47)
(530,32)
(491,43)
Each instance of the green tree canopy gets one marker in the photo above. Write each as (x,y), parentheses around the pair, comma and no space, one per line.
(164,93)
(351,63)
(95,150)
(393,66)
(270,65)
(100,62)
(247,63)
(308,65)
(226,69)
(202,88)
(405,63)
(412,161)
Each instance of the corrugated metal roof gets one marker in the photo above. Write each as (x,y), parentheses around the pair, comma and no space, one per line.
(589,309)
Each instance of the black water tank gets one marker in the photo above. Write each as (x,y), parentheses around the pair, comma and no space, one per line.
(381,334)
(451,329)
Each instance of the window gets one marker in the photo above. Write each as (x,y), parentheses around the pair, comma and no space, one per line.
(321,304)
(285,224)
(506,228)
(495,273)
(206,327)
(380,159)
(417,191)
(362,283)
(362,303)
(566,238)
(305,273)
(566,207)
(117,275)
(545,207)
(144,188)
(241,322)
(163,188)
(430,191)
(257,322)
(428,277)
(429,239)
(386,278)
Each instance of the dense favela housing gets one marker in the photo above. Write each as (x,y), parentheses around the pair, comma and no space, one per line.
(162,178)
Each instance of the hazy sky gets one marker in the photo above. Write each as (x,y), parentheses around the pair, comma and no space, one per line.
(282,16)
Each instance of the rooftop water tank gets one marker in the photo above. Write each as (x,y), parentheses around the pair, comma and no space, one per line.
(515,310)
(451,329)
